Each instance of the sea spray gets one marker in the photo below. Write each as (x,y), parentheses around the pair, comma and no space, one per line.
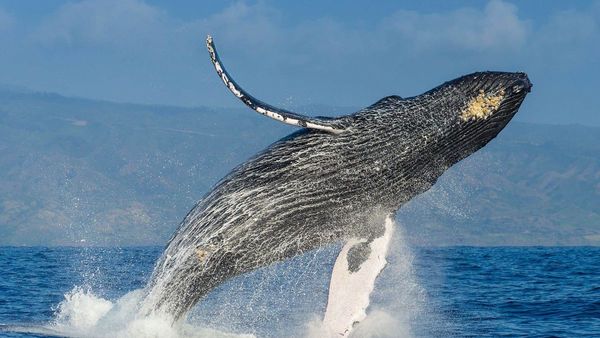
(83,314)
(399,293)
(398,302)
(80,310)
(276,301)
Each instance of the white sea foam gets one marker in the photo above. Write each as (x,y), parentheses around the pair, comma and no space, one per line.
(399,301)
(83,314)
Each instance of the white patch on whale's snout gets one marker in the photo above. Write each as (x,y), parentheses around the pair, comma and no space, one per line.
(482,106)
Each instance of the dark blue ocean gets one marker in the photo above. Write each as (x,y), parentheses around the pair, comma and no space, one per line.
(424,292)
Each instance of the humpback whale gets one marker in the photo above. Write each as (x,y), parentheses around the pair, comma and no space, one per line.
(335,180)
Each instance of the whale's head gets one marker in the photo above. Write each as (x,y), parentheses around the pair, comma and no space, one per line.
(471,110)
(486,98)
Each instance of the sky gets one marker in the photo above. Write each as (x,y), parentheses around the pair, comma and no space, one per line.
(301,53)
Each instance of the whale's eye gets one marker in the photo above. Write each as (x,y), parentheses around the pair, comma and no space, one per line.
(517,89)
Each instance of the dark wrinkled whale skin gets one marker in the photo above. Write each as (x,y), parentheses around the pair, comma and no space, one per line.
(313,188)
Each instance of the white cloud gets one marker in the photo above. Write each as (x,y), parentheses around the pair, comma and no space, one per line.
(256,27)
(101,22)
(496,26)
(567,39)
(136,51)
(242,25)
(572,27)
(253,29)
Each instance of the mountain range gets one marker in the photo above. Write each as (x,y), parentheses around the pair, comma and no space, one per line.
(85,172)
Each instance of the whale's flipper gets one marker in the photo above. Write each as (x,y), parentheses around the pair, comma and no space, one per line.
(319,123)
(353,279)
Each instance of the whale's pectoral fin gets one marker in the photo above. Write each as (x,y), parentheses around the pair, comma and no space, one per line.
(353,279)
(330,125)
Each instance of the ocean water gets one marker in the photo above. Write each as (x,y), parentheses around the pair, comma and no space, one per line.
(423,292)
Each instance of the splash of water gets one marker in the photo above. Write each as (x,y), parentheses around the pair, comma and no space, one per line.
(80,310)
(277,301)
(398,302)
(83,314)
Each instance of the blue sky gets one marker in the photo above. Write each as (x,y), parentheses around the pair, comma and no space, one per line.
(292,53)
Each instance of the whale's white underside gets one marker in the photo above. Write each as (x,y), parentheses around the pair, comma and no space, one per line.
(349,292)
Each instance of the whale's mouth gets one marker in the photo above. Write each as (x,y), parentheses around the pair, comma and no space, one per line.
(514,95)
(522,84)
(502,101)
(497,98)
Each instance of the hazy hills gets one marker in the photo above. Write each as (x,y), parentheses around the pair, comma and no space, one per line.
(533,185)
(77,171)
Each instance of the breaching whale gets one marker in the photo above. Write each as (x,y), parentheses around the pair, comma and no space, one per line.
(335,180)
